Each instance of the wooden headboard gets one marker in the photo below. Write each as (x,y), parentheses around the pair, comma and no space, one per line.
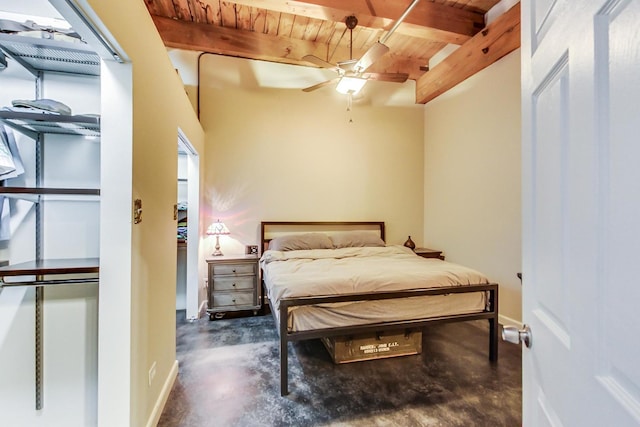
(271,229)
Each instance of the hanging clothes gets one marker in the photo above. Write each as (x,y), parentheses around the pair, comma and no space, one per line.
(11,165)
(5,219)
(7,165)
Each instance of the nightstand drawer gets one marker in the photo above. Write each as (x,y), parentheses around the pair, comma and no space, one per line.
(233,269)
(232,299)
(233,283)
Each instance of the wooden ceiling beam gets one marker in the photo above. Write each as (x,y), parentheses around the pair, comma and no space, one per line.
(232,42)
(254,45)
(427,20)
(497,40)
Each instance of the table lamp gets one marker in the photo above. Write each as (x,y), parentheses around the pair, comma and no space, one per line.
(217,229)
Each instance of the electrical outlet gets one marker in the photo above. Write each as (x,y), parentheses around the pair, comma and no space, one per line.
(252,250)
(152,373)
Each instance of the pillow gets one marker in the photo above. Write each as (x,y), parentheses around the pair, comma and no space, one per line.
(356,239)
(297,242)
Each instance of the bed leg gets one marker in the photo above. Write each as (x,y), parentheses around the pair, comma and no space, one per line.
(493,340)
(284,351)
(493,326)
(284,368)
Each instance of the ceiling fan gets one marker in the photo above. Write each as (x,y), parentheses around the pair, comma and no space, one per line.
(351,73)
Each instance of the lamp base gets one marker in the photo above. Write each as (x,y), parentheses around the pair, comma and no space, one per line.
(217,252)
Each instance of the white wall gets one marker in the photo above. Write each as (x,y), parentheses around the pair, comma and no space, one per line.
(137,312)
(472,177)
(278,154)
(71,229)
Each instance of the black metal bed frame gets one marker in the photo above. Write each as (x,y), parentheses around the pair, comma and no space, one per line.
(286,336)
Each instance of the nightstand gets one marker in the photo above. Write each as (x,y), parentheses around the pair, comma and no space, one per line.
(233,285)
(429,253)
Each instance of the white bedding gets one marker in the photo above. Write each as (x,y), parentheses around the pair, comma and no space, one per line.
(362,270)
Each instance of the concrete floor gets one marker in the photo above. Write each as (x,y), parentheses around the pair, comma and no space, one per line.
(229,376)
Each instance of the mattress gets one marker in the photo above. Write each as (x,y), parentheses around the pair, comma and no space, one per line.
(322,272)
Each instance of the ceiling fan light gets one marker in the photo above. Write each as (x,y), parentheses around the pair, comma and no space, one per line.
(350,85)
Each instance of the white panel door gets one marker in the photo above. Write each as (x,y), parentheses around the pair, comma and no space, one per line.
(581,212)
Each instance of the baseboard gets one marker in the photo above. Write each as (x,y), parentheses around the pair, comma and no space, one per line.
(507,321)
(164,395)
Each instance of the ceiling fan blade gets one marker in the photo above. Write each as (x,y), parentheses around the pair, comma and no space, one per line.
(319,62)
(319,85)
(347,65)
(387,77)
(374,53)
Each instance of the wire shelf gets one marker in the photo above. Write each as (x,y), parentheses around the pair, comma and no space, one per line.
(38,54)
(34,123)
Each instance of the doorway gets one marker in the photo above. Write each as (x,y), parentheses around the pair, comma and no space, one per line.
(187,295)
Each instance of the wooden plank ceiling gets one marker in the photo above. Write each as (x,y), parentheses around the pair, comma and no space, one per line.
(285,31)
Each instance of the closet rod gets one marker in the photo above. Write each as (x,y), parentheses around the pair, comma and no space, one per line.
(49,282)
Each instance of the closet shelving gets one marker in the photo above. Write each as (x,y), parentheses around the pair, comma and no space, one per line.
(32,124)
(40,55)
(51,267)
(37,55)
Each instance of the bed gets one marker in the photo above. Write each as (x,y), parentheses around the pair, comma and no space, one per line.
(330,279)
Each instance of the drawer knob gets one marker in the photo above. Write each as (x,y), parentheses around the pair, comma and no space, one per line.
(234,300)
(234,285)
(234,270)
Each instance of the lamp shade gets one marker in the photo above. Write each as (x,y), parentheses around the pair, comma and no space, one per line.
(350,85)
(218,229)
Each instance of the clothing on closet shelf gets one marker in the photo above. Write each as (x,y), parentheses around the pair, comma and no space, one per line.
(32,29)
(44,105)
(182,221)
